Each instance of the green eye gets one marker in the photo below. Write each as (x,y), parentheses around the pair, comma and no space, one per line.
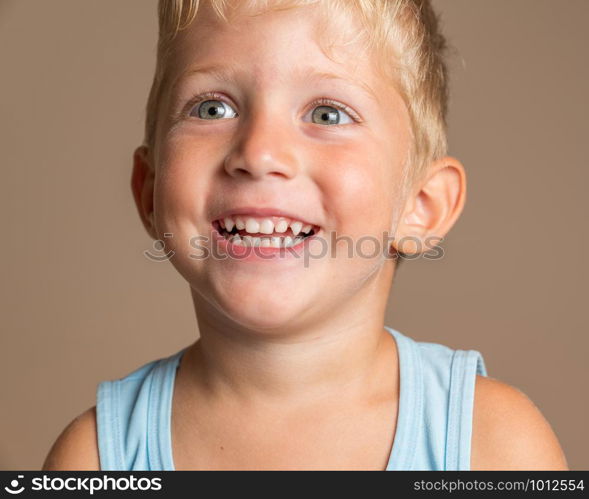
(213,110)
(328,115)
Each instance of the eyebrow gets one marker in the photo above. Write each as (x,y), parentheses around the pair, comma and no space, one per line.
(228,73)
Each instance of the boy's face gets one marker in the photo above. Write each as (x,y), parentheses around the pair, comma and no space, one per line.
(271,150)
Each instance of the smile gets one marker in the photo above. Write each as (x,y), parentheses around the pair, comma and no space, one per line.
(265,232)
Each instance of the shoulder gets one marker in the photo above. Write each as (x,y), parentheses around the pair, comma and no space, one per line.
(509,432)
(76,448)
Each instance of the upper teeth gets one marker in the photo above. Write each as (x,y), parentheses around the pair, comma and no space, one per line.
(265,225)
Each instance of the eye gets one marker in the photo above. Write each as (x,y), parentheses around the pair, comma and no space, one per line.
(212,109)
(329,112)
(327,115)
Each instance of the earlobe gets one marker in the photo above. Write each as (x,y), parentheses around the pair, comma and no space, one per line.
(142,185)
(432,208)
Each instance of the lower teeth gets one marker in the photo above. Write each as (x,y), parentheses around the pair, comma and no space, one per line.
(265,242)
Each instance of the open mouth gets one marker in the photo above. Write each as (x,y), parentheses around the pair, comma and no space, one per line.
(280,237)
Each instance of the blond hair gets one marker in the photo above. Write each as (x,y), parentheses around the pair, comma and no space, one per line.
(404,34)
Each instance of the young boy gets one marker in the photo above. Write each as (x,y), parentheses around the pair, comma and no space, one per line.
(278,141)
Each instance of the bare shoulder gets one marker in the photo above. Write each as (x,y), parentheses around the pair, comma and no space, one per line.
(76,448)
(509,432)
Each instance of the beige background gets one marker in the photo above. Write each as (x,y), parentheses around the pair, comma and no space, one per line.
(81,304)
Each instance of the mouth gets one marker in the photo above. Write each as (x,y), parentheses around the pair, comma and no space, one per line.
(270,232)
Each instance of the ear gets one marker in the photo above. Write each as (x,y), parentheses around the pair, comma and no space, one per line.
(142,183)
(434,204)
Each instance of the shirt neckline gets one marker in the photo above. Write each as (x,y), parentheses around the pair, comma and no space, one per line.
(409,410)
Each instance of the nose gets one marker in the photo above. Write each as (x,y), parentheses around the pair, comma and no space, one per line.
(264,146)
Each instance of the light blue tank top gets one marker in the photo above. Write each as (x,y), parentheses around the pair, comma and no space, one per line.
(434,421)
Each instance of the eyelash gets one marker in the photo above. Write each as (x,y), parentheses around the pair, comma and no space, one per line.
(322,101)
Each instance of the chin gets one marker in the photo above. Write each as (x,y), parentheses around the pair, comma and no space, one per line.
(269,311)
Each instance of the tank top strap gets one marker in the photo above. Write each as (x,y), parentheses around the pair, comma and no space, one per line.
(411,402)
(466,364)
(434,419)
(108,427)
(159,414)
(133,417)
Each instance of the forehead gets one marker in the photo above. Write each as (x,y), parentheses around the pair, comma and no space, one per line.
(275,47)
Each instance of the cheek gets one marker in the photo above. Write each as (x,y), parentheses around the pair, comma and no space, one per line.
(180,183)
(359,186)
